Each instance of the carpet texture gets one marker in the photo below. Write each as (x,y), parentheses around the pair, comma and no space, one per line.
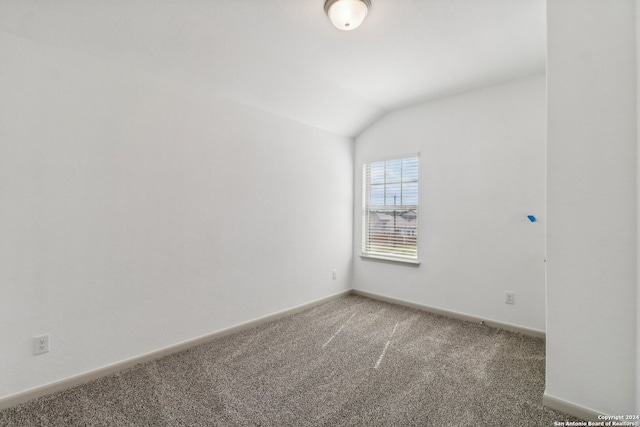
(352,361)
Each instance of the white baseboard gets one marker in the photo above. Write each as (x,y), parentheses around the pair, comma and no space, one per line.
(48,389)
(493,323)
(569,408)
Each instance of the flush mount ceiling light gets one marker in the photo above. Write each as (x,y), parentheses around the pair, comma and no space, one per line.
(347,15)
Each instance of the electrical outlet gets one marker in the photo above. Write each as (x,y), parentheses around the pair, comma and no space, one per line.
(335,275)
(509,298)
(41,344)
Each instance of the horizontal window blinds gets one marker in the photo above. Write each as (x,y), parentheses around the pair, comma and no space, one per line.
(390,223)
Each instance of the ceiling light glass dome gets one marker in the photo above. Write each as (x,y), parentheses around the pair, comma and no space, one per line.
(347,15)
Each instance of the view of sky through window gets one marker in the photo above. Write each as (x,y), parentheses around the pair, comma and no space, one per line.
(394,183)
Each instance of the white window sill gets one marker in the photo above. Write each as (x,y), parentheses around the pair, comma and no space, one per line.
(398,260)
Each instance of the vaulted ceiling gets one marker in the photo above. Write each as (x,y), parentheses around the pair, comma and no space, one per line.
(285,57)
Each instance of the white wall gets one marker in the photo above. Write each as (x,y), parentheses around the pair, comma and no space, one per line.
(482,171)
(592,210)
(136,213)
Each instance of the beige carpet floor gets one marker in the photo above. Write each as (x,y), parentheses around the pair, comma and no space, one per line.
(349,362)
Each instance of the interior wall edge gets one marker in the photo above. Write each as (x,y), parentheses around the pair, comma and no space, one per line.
(569,408)
(637,373)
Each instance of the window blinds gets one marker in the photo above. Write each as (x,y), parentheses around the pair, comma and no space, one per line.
(390,223)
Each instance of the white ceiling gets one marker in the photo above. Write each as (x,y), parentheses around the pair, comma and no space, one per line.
(285,57)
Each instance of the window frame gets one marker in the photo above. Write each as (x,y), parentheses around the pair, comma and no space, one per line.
(368,208)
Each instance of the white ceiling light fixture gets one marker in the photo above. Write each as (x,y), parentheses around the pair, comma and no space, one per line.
(347,15)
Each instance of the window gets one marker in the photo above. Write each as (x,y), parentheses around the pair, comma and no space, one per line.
(390,209)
